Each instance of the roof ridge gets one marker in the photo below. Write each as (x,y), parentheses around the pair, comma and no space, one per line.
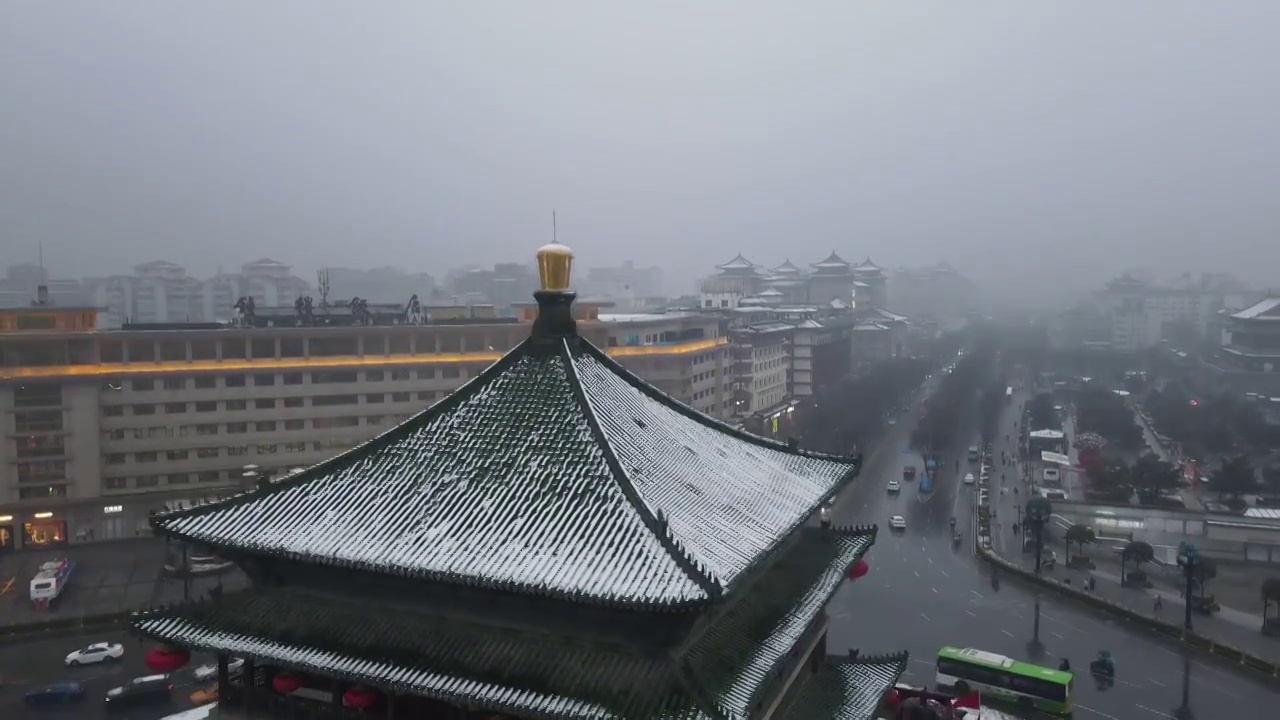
(666,400)
(855,657)
(450,401)
(655,522)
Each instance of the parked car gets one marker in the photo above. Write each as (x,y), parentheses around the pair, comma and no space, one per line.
(95,653)
(144,690)
(204,696)
(63,693)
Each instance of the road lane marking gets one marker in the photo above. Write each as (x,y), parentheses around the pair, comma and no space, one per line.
(944,573)
(7,585)
(1006,632)
(980,595)
(972,613)
(926,617)
(917,572)
(1157,712)
(1099,713)
(1153,681)
(1060,637)
(935,590)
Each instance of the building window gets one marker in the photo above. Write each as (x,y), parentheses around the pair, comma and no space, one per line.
(146,481)
(237,404)
(264,404)
(331,400)
(295,424)
(113,411)
(177,454)
(295,447)
(373,376)
(238,450)
(267,449)
(334,422)
(144,409)
(37,395)
(233,381)
(374,398)
(208,452)
(46,532)
(115,483)
(265,426)
(208,476)
(375,420)
(40,420)
(293,378)
(400,397)
(264,380)
(427,374)
(175,408)
(401,374)
(207,429)
(334,376)
(115,459)
(206,382)
(206,406)
(146,457)
(451,372)
(177,479)
(295,402)
(143,385)
(237,428)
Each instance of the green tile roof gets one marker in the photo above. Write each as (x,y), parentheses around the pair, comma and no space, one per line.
(721,675)
(555,472)
(849,689)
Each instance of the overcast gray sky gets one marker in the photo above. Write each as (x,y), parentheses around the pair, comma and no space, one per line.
(1049,138)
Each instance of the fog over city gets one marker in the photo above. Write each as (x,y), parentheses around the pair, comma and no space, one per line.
(1038,147)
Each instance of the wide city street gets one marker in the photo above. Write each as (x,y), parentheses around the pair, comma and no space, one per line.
(924,592)
(32,665)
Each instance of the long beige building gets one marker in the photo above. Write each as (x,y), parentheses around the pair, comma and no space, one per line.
(104,427)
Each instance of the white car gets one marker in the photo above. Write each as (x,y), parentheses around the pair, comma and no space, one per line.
(894,486)
(205,673)
(968,478)
(95,653)
(897,522)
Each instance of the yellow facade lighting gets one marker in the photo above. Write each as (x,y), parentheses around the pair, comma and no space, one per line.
(61,372)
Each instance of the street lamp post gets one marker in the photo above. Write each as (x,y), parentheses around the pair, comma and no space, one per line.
(1188,558)
(1038,512)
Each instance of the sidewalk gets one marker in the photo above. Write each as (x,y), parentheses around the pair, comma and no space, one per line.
(1237,624)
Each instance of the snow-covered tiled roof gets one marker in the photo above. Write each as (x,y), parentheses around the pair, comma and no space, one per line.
(833,261)
(737,263)
(517,669)
(554,472)
(1267,308)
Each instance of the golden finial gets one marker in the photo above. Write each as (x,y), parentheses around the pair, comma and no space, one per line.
(555,267)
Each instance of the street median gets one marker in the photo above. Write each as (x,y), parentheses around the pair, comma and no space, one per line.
(1227,653)
(61,627)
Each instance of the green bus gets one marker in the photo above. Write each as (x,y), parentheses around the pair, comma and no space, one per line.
(997,676)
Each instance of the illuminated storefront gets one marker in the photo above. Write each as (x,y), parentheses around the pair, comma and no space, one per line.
(44,530)
(6,534)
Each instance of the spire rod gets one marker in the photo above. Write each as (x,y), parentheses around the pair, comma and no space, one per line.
(555,235)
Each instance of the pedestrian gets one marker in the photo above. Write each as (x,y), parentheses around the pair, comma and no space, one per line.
(1015,528)
(1159,603)
(824,517)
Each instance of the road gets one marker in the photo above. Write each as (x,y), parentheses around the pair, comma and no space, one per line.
(923,593)
(28,666)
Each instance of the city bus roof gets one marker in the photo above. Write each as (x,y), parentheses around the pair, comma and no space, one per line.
(987,659)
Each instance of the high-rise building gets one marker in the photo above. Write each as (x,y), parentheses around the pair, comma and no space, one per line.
(106,427)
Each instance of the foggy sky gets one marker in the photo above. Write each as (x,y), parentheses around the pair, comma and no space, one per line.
(1045,138)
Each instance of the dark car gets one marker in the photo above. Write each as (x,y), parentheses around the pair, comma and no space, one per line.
(147,690)
(57,694)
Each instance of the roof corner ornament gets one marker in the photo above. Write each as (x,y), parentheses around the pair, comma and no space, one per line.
(304,310)
(360,311)
(555,299)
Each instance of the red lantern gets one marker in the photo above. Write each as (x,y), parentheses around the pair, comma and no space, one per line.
(165,659)
(859,569)
(285,683)
(360,698)
(893,699)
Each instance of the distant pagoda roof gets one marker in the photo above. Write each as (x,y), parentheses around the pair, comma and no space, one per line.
(866,267)
(554,473)
(833,261)
(787,268)
(738,266)
(720,674)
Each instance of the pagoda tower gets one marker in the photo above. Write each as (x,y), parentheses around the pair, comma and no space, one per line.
(557,539)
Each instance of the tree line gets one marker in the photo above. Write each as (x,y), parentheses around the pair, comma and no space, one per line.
(944,412)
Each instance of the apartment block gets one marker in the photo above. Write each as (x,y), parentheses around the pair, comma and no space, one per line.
(102,428)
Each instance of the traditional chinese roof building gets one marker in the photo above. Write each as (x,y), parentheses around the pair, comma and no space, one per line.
(557,539)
